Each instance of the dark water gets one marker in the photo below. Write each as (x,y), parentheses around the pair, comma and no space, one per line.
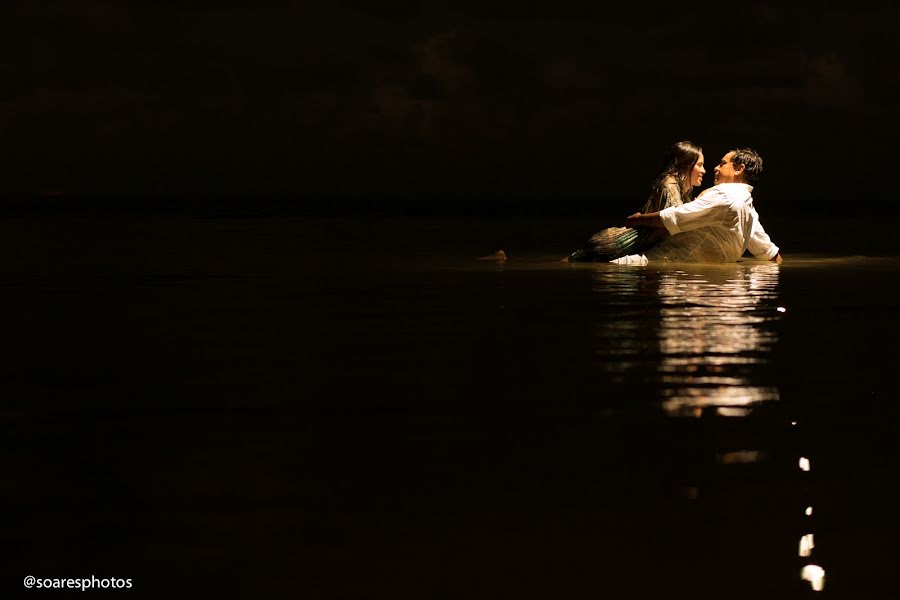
(358,409)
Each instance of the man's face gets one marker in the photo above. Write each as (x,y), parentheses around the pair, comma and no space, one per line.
(725,171)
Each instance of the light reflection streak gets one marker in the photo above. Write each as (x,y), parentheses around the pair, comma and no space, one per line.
(713,342)
(726,411)
(807,543)
(702,336)
(815,575)
(676,363)
(693,401)
(739,457)
(712,332)
(705,342)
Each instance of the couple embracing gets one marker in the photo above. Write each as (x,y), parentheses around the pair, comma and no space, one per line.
(718,226)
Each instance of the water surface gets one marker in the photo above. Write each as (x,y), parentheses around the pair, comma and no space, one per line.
(338,408)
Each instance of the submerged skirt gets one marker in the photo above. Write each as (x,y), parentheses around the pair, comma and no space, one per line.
(615,242)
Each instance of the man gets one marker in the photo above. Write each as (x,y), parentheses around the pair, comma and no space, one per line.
(716,227)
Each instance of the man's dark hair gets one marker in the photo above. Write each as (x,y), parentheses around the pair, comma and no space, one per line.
(752,161)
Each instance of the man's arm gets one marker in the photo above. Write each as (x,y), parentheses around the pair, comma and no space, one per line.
(675,219)
(761,245)
(645,220)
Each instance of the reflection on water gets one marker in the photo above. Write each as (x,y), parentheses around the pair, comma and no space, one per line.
(712,331)
(739,457)
(703,336)
(807,543)
(815,575)
(703,339)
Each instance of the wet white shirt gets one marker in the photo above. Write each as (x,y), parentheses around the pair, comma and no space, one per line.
(716,227)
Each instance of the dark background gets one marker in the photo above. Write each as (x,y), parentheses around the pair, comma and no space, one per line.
(187,398)
(403,106)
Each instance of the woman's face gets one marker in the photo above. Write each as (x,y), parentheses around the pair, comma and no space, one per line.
(697,172)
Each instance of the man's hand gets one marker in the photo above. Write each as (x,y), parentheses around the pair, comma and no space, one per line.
(645,220)
(633,220)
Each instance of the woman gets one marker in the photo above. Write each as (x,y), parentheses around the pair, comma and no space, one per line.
(682,171)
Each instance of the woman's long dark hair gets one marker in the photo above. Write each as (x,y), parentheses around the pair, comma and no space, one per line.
(678,162)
